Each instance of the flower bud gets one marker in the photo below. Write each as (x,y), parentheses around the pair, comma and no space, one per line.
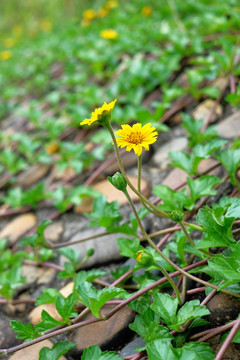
(144,258)
(89,252)
(176,215)
(118,181)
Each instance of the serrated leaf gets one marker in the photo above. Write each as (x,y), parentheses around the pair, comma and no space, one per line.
(24,331)
(234,209)
(230,159)
(94,352)
(182,160)
(128,247)
(89,276)
(165,306)
(95,299)
(217,234)
(196,351)
(190,310)
(172,200)
(48,297)
(65,306)
(161,350)
(58,349)
(48,322)
(70,254)
(202,186)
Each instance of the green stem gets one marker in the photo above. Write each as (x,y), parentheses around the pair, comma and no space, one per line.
(191,241)
(141,196)
(193,226)
(165,273)
(139,172)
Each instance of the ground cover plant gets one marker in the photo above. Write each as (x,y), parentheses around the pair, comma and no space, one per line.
(80,97)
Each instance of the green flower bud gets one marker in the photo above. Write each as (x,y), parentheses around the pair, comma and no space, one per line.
(89,252)
(144,258)
(176,215)
(118,181)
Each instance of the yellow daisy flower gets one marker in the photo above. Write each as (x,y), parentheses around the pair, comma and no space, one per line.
(147,11)
(100,113)
(89,14)
(109,34)
(136,137)
(5,55)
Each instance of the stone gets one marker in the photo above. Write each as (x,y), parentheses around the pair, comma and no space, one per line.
(31,273)
(33,174)
(128,350)
(229,128)
(223,309)
(175,178)
(112,194)
(220,82)
(105,247)
(47,276)
(35,314)
(18,227)
(103,333)
(32,352)
(129,160)
(53,231)
(202,111)
(7,335)
(161,157)
(205,164)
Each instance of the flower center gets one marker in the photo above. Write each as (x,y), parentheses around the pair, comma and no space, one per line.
(135,138)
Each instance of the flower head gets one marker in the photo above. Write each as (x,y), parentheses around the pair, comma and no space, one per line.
(89,14)
(52,148)
(100,114)
(136,137)
(5,55)
(109,34)
(147,11)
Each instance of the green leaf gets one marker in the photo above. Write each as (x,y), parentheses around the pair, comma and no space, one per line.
(94,352)
(236,338)
(70,254)
(172,200)
(65,306)
(68,272)
(196,350)
(234,209)
(128,247)
(89,276)
(161,349)
(48,322)
(202,186)
(95,299)
(58,349)
(217,234)
(165,306)
(230,159)
(24,331)
(182,160)
(49,296)
(190,310)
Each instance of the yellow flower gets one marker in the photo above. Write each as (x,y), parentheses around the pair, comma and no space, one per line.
(136,137)
(5,55)
(99,113)
(52,148)
(102,12)
(46,25)
(109,34)
(110,4)
(147,11)
(139,255)
(9,42)
(89,14)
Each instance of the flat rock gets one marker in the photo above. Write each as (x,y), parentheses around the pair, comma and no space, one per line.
(31,352)
(7,335)
(47,276)
(103,333)
(53,231)
(32,273)
(128,350)
(202,111)
(223,308)
(178,176)
(18,227)
(33,174)
(161,157)
(229,128)
(105,247)
(112,194)
(35,314)
(129,160)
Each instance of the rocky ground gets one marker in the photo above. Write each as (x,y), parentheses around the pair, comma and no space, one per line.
(113,334)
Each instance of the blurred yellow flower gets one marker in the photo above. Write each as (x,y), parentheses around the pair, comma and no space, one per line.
(102,12)
(109,34)
(110,4)
(5,55)
(89,14)
(46,25)
(52,148)
(9,42)
(136,137)
(147,11)
(99,113)
(85,22)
